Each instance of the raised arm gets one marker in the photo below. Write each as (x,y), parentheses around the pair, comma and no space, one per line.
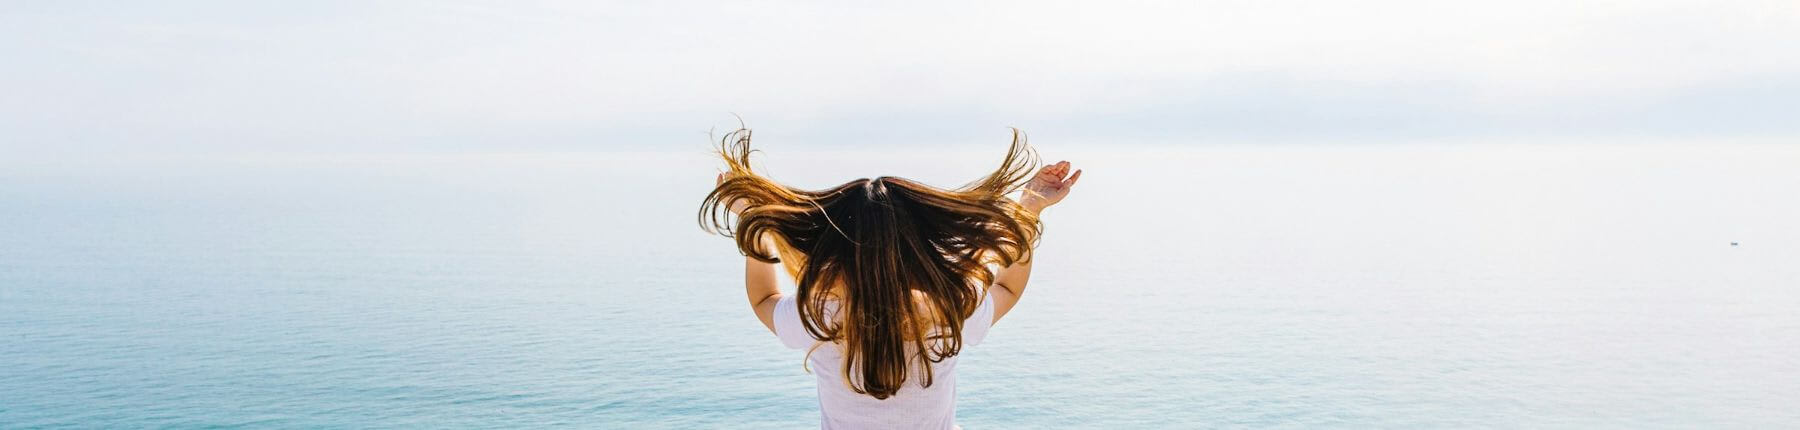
(760,285)
(761,289)
(1051,184)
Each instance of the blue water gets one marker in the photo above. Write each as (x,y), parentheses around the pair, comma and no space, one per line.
(1226,286)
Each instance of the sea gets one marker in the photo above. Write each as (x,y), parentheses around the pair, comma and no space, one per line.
(1206,285)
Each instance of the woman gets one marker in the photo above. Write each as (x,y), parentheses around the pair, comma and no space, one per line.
(893,277)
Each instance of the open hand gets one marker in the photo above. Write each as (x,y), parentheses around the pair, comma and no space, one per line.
(1051,184)
(737,205)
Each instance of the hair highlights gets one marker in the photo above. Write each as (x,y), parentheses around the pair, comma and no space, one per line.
(905,263)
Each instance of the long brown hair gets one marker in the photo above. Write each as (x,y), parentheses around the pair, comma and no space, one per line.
(912,260)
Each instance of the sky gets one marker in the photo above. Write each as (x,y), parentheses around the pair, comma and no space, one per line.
(461,76)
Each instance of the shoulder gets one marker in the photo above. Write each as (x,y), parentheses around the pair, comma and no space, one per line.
(788,326)
(975,328)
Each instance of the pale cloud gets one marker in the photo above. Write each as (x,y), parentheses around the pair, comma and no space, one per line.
(520,75)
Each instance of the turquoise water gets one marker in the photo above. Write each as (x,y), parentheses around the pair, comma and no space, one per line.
(1228,286)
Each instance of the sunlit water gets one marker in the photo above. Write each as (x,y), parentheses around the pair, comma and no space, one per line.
(1398,286)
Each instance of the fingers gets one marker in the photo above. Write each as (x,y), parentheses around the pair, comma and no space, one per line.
(1072,179)
(1054,172)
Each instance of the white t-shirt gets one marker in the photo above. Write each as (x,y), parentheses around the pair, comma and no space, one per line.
(912,407)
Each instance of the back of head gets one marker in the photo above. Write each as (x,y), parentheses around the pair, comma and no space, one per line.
(906,262)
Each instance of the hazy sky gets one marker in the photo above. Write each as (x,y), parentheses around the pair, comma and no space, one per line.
(513,75)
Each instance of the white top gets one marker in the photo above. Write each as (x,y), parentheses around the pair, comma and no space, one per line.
(912,407)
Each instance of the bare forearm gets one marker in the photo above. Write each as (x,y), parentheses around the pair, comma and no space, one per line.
(1010,281)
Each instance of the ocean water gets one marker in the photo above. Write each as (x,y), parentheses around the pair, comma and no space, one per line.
(1296,286)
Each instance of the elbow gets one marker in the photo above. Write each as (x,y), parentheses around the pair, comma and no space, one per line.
(768,300)
(1015,291)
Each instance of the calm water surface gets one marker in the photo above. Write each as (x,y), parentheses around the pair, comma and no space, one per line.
(1231,286)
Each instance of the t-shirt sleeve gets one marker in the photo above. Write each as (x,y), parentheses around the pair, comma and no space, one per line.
(976,327)
(788,326)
